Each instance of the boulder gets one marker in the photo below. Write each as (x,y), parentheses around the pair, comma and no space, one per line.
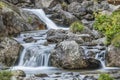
(61,17)
(76,9)
(9,50)
(56,36)
(113,56)
(69,55)
(14,20)
(19,73)
(11,20)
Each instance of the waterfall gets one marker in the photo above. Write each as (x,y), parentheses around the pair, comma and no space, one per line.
(34,54)
(41,14)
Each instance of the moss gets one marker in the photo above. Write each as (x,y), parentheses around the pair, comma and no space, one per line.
(64,6)
(104,76)
(108,25)
(76,27)
(2,4)
(5,75)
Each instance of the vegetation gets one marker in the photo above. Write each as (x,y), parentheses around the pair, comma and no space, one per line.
(76,27)
(109,25)
(2,4)
(64,6)
(116,40)
(105,77)
(5,75)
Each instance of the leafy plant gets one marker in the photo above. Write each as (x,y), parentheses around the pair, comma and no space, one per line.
(76,27)
(104,76)
(109,25)
(5,75)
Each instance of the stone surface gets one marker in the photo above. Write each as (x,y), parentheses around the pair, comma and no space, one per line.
(8,51)
(56,35)
(11,20)
(69,55)
(113,57)
(19,73)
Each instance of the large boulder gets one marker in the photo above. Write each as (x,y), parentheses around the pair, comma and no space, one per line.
(113,56)
(11,20)
(14,20)
(69,55)
(9,50)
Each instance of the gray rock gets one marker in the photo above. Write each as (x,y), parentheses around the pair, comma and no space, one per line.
(56,36)
(9,53)
(69,55)
(112,56)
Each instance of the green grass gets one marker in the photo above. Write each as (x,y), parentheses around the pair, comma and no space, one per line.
(104,76)
(76,27)
(5,75)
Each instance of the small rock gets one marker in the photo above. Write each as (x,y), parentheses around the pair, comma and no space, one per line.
(41,75)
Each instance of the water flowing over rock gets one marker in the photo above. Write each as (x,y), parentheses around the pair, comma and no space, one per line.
(69,55)
(9,50)
(113,56)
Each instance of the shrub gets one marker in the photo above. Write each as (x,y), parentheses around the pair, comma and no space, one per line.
(109,25)
(105,77)
(76,27)
(5,75)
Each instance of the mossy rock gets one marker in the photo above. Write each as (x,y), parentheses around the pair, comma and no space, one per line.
(76,27)
(116,40)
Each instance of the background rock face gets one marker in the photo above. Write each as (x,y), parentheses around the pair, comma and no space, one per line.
(11,20)
(14,20)
(113,56)
(9,49)
(69,55)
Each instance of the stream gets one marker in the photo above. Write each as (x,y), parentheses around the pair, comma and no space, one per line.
(34,55)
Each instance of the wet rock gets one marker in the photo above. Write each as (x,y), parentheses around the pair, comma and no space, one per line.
(33,20)
(113,56)
(75,37)
(9,53)
(41,75)
(29,39)
(19,73)
(89,78)
(69,55)
(56,35)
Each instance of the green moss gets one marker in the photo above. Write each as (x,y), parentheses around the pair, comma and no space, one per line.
(109,25)
(64,6)
(116,40)
(5,75)
(105,77)
(76,27)
(2,4)
(29,19)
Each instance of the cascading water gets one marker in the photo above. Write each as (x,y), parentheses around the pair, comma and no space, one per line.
(41,14)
